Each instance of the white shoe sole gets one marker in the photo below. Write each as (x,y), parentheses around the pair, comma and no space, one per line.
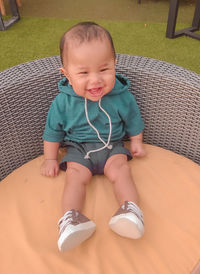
(127,225)
(75,235)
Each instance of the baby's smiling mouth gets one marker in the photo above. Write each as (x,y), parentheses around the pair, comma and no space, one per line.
(96,91)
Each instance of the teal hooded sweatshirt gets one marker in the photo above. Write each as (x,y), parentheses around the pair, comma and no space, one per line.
(67,120)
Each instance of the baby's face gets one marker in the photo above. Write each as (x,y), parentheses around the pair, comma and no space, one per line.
(90,68)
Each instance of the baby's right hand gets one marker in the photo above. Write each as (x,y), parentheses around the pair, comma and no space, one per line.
(49,168)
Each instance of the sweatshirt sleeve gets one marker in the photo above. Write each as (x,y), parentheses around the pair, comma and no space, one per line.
(131,116)
(54,123)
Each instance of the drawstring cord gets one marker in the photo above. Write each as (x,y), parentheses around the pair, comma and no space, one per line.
(106,145)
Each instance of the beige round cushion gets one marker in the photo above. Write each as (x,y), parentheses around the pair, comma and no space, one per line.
(169,189)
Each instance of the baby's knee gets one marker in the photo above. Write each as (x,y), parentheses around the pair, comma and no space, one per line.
(118,170)
(81,174)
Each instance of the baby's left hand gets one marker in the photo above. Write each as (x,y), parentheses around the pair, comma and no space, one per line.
(137,149)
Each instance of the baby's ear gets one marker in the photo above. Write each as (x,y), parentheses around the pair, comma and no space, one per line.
(63,71)
(66,74)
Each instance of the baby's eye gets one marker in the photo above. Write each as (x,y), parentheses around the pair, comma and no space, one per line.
(104,69)
(83,72)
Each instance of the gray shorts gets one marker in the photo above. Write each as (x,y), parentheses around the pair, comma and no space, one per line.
(77,151)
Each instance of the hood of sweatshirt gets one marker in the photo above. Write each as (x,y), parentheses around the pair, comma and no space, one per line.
(121,84)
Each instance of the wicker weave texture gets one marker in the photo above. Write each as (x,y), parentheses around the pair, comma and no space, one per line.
(168,96)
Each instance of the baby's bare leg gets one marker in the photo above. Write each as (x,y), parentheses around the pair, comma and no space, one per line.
(77,177)
(128,220)
(118,172)
(75,228)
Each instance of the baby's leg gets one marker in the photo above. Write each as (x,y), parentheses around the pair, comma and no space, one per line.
(128,220)
(75,228)
(77,177)
(118,172)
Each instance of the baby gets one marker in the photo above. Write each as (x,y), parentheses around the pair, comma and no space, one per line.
(91,114)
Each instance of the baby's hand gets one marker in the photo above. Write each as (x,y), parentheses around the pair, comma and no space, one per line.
(137,148)
(49,168)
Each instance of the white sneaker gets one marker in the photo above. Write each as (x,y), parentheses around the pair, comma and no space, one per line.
(128,221)
(74,229)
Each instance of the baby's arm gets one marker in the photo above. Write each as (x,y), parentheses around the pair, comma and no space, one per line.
(50,165)
(137,148)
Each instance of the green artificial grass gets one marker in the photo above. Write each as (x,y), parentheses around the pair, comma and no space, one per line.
(34,38)
(115,10)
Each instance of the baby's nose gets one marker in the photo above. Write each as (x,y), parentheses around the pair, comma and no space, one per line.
(95,78)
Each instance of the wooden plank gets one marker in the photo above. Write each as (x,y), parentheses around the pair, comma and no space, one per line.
(2,8)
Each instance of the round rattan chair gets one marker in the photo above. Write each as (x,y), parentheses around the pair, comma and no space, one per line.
(167,182)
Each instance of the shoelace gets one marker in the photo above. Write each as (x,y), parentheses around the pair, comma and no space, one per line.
(136,210)
(66,219)
(97,132)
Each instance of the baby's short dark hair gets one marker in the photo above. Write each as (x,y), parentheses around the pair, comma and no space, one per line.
(85,32)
